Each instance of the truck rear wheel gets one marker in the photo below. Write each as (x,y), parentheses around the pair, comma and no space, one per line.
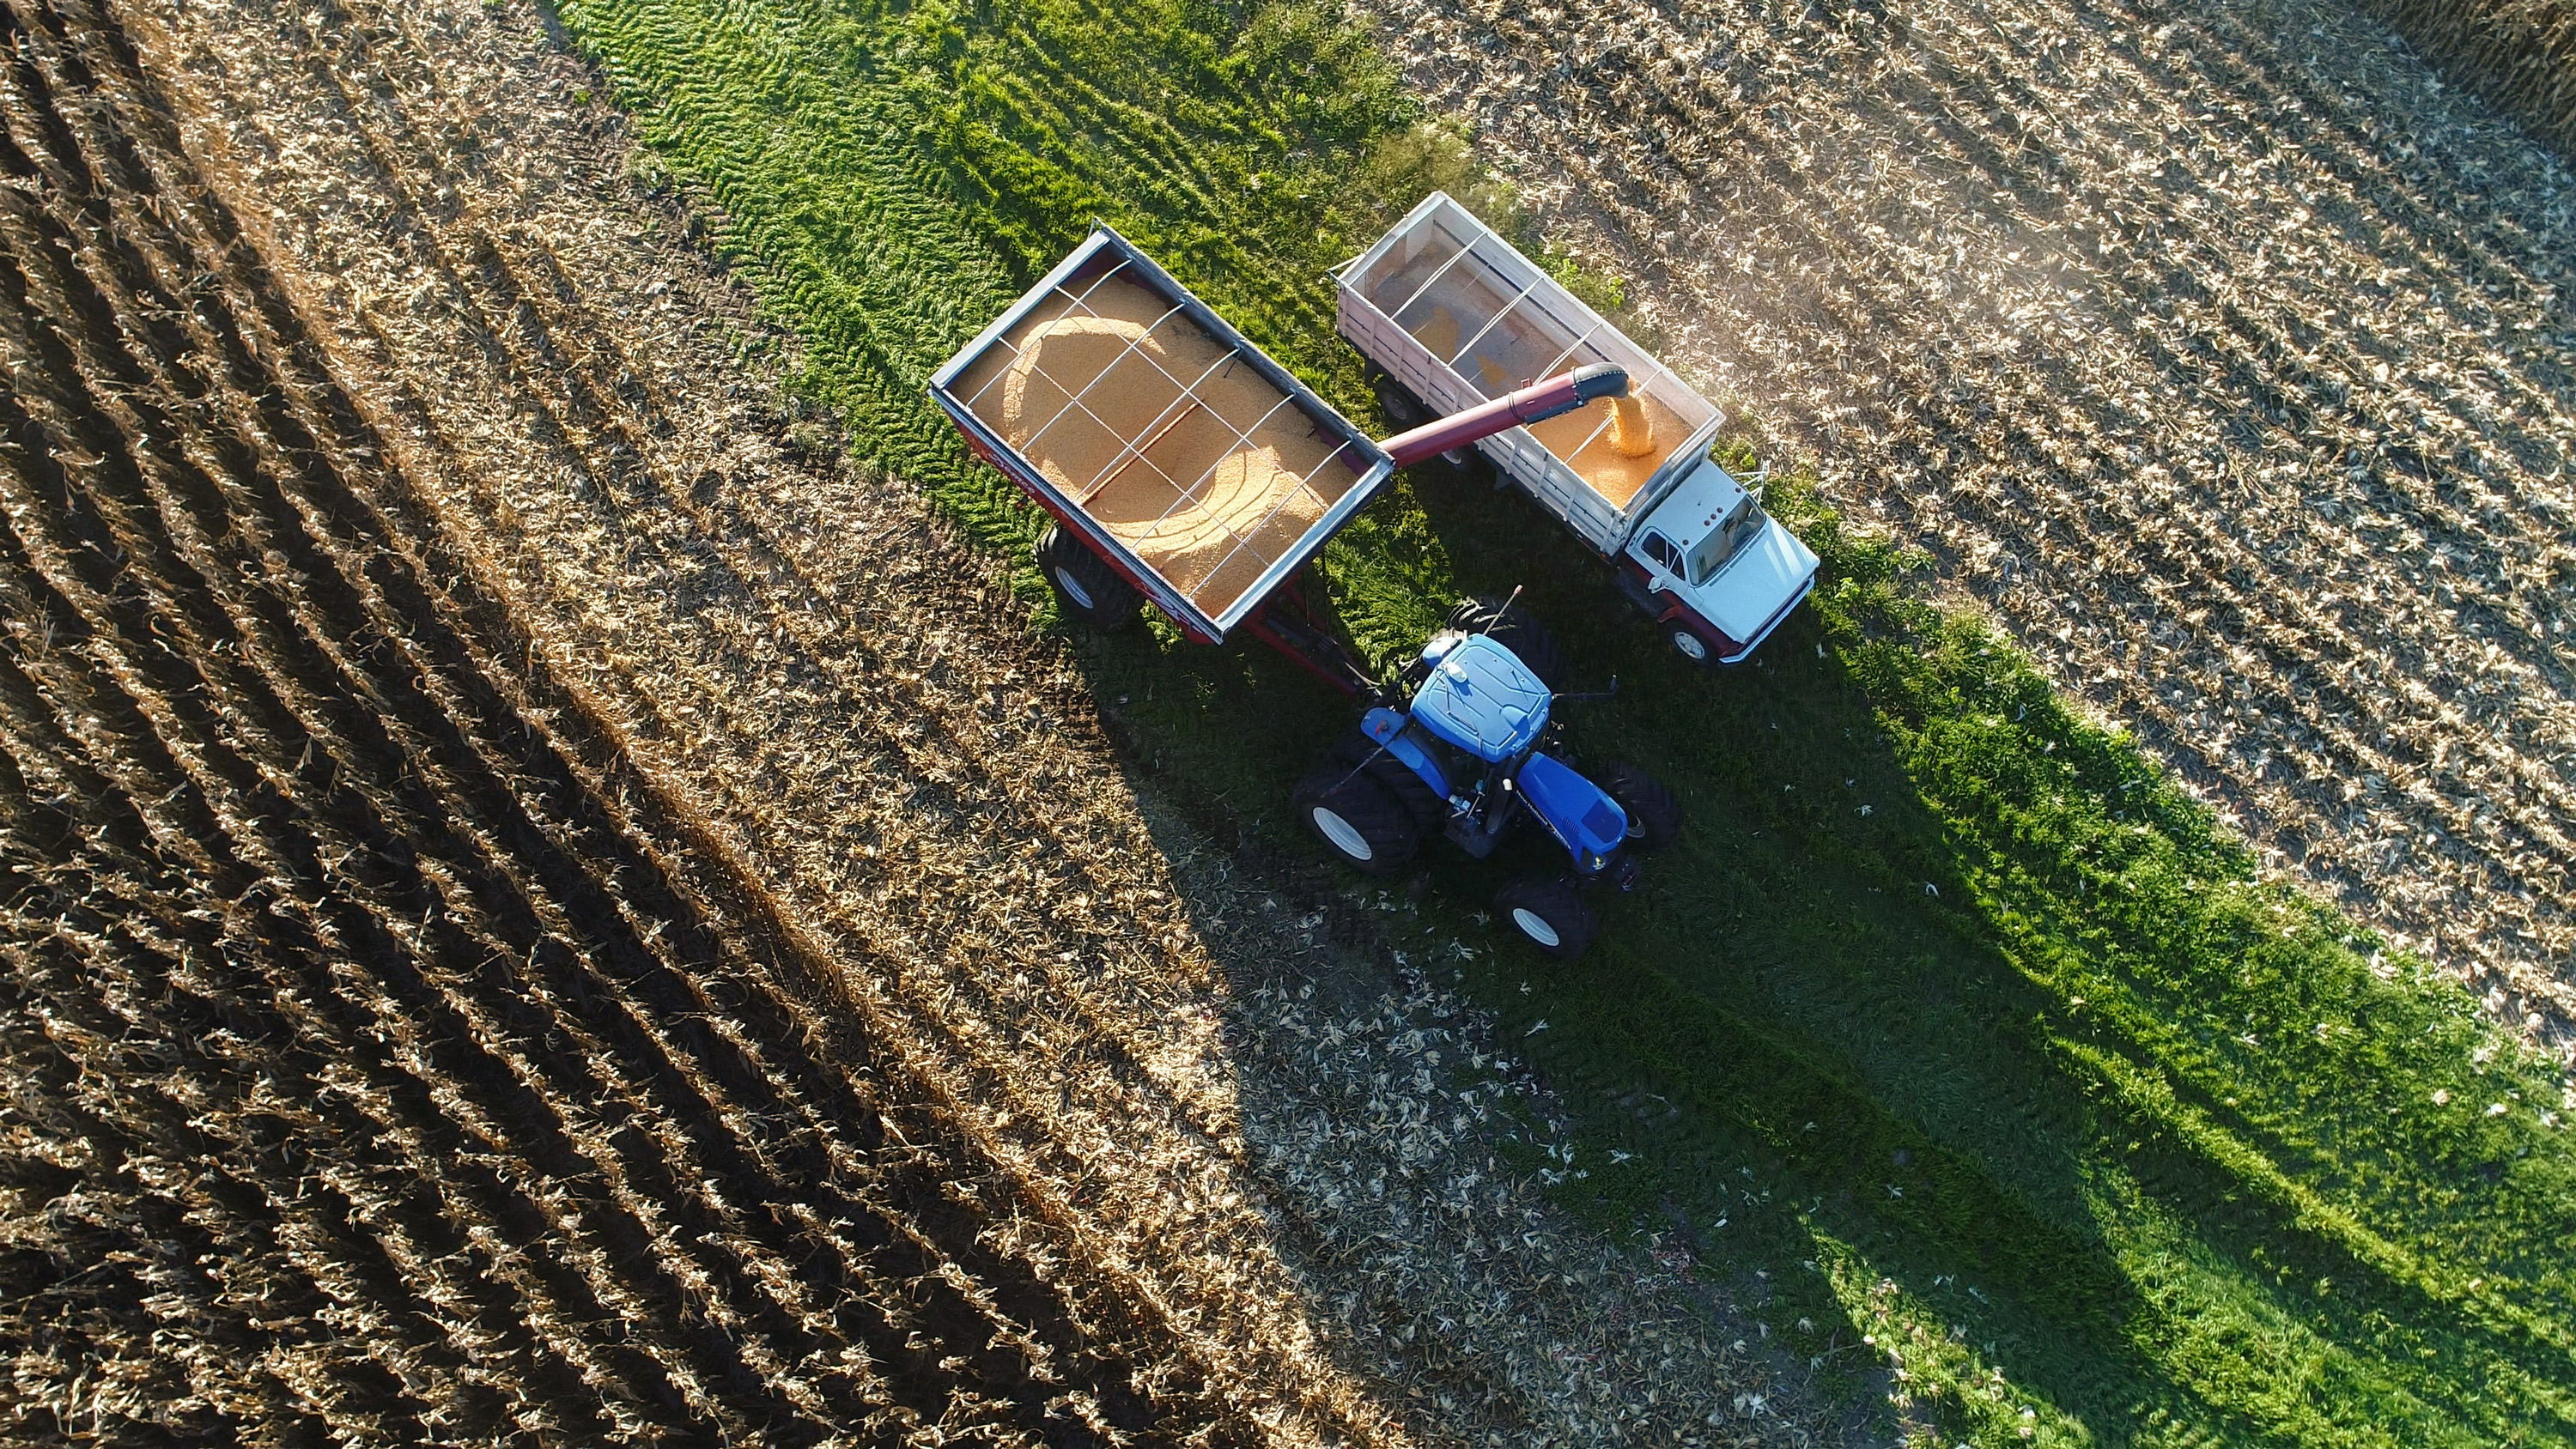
(1084,583)
(1354,817)
(1549,914)
(1654,816)
(1514,629)
(1404,412)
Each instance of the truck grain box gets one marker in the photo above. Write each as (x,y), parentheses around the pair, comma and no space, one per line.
(1450,315)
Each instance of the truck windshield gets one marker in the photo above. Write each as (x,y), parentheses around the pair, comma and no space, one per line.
(1738,528)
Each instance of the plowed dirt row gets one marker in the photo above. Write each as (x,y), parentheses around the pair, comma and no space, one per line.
(2217,348)
(534,914)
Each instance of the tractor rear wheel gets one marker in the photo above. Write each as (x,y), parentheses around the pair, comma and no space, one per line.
(1420,801)
(1084,583)
(1548,913)
(1355,818)
(1516,630)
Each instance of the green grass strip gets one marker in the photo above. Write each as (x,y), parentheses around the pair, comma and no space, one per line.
(1950,1021)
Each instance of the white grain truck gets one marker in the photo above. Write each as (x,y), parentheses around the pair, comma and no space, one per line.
(1452,316)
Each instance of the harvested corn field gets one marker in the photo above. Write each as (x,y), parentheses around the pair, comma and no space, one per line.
(512,929)
(537,913)
(2222,351)
(2519,54)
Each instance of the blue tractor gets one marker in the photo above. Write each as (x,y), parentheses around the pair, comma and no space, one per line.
(1465,744)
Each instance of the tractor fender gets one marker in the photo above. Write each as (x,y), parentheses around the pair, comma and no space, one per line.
(1580,814)
(1391,729)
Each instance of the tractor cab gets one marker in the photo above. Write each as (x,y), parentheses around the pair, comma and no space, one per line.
(1473,734)
(1480,698)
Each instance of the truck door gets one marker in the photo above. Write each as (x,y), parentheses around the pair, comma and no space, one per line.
(1663,562)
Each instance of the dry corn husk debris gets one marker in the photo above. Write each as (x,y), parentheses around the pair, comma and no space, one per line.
(2219,350)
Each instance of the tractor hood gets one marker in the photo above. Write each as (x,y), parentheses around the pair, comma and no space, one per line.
(1587,820)
(1482,699)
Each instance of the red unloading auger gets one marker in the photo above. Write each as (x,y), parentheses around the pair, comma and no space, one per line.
(1534,403)
(1299,633)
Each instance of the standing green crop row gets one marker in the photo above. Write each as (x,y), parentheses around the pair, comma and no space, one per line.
(1950,1022)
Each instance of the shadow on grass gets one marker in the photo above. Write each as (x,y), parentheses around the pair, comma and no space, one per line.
(1820,1045)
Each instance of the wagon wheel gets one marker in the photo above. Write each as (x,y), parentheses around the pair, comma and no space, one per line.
(1085,585)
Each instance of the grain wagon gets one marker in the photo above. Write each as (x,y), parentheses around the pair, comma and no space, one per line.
(1183,466)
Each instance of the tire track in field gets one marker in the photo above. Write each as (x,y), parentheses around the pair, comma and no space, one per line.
(2213,349)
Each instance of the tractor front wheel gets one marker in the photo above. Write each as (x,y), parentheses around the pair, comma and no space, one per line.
(1654,816)
(1548,913)
(1084,583)
(1356,819)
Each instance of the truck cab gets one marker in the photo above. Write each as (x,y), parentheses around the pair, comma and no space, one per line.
(1716,572)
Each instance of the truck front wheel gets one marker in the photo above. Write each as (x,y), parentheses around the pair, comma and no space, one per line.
(1356,819)
(1084,583)
(1549,914)
(1689,645)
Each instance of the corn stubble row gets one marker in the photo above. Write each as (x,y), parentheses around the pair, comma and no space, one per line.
(534,916)
(356,1020)
(2520,54)
(2223,353)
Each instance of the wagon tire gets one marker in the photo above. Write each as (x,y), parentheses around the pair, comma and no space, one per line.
(1086,587)
(1355,818)
(1548,913)
(1420,801)
(1654,816)
(1516,630)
